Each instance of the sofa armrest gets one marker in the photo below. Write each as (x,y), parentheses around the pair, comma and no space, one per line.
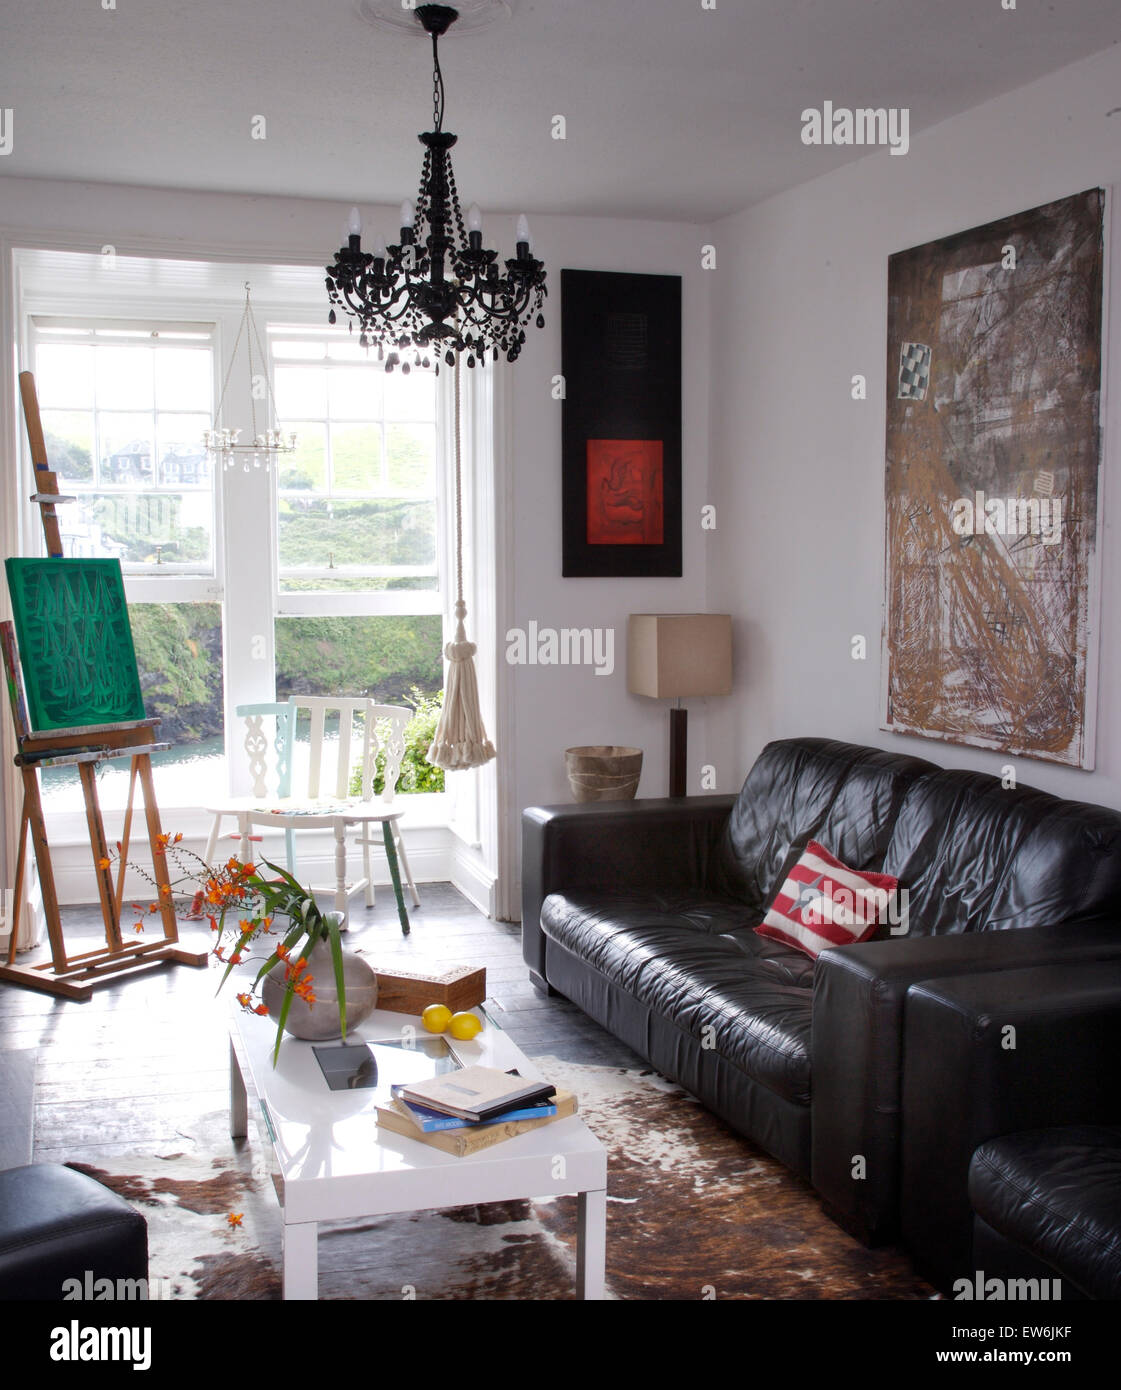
(662,842)
(988,1055)
(857,1050)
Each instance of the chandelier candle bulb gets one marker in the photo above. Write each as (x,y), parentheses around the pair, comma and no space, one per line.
(354,222)
(408,215)
(474,218)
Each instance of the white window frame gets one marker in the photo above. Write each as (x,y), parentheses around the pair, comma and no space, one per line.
(484,825)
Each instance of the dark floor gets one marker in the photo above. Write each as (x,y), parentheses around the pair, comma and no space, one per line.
(147,1055)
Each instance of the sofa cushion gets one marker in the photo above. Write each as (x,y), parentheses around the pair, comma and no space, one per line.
(699,964)
(1056,1193)
(841,794)
(976,856)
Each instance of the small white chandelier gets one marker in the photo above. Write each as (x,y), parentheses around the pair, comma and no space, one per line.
(223,444)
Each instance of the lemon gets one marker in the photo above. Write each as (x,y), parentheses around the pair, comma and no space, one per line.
(437,1017)
(464,1026)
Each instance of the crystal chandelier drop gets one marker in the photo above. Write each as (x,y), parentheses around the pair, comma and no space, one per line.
(222,444)
(438,292)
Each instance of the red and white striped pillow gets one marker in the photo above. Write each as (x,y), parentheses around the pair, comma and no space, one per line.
(822,903)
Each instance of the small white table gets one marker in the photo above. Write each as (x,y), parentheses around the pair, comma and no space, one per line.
(335,1164)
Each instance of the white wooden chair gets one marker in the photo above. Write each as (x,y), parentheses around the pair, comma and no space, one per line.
(260,720)
(322,798)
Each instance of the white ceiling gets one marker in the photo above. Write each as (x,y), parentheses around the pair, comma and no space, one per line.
(673,110)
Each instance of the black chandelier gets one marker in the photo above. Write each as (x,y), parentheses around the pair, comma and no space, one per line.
(438,289)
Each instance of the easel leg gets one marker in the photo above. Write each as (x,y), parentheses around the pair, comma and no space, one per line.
(101,868)
(143,764)
(17,896)
(125,836)
(33,808)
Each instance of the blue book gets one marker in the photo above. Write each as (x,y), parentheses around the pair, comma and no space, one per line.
(432,1121)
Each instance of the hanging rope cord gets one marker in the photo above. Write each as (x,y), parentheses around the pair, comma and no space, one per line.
(459,603)
(460,739)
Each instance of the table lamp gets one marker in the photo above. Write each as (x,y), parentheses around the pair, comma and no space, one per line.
(671,656)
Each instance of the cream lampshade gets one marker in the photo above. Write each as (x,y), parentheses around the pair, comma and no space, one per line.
(671,656)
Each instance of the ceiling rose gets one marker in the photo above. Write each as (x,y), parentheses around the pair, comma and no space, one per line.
(392,14)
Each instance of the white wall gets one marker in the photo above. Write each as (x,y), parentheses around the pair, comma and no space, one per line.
(551,707)
(799,306)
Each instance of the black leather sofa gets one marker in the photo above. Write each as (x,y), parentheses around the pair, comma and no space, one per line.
(643,914)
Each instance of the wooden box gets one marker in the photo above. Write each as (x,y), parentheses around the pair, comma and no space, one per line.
(411,992)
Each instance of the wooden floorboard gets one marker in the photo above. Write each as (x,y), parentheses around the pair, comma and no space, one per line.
(135,1068)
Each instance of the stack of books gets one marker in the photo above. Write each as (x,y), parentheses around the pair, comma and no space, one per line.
(470,1109)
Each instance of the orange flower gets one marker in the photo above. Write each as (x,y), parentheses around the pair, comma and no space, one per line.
(243,1000)
(212,920)
(104,863)
(139,926)
(261,1009)
(236,958)
(234,1218)
(165,890)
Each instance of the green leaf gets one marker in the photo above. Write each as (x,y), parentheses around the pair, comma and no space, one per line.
(337,956)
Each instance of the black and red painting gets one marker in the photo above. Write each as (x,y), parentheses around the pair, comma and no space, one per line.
(621,359)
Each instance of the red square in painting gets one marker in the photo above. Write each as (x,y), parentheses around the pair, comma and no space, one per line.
(626,503)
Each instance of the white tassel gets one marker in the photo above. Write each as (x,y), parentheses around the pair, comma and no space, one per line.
(460,740)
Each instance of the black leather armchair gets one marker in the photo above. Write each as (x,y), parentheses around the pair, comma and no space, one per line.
(988,1055)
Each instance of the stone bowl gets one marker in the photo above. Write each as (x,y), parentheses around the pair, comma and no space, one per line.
(603,772)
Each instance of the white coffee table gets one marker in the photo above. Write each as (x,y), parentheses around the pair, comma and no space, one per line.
(334,1163)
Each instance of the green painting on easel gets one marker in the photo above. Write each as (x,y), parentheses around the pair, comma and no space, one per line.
(75,643)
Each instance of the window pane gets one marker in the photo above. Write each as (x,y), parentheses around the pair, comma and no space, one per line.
(179,654)
(394,660)
(183,459)
(411,456)
(356,458)
(64,375)
(68,435)
(182,379)
(124,377)
(126,448)
(300,391)
(354,393)
(120,459)
(411,397)
(307,467)
(319,534)
(142,527)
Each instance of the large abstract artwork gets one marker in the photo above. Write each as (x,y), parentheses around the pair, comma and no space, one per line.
(621,361)
(993,446)
(75,642)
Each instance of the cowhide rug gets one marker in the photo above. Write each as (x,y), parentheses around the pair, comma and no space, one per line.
(693,1212)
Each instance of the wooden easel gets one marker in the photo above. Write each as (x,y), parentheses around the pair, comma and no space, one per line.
(74,976)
